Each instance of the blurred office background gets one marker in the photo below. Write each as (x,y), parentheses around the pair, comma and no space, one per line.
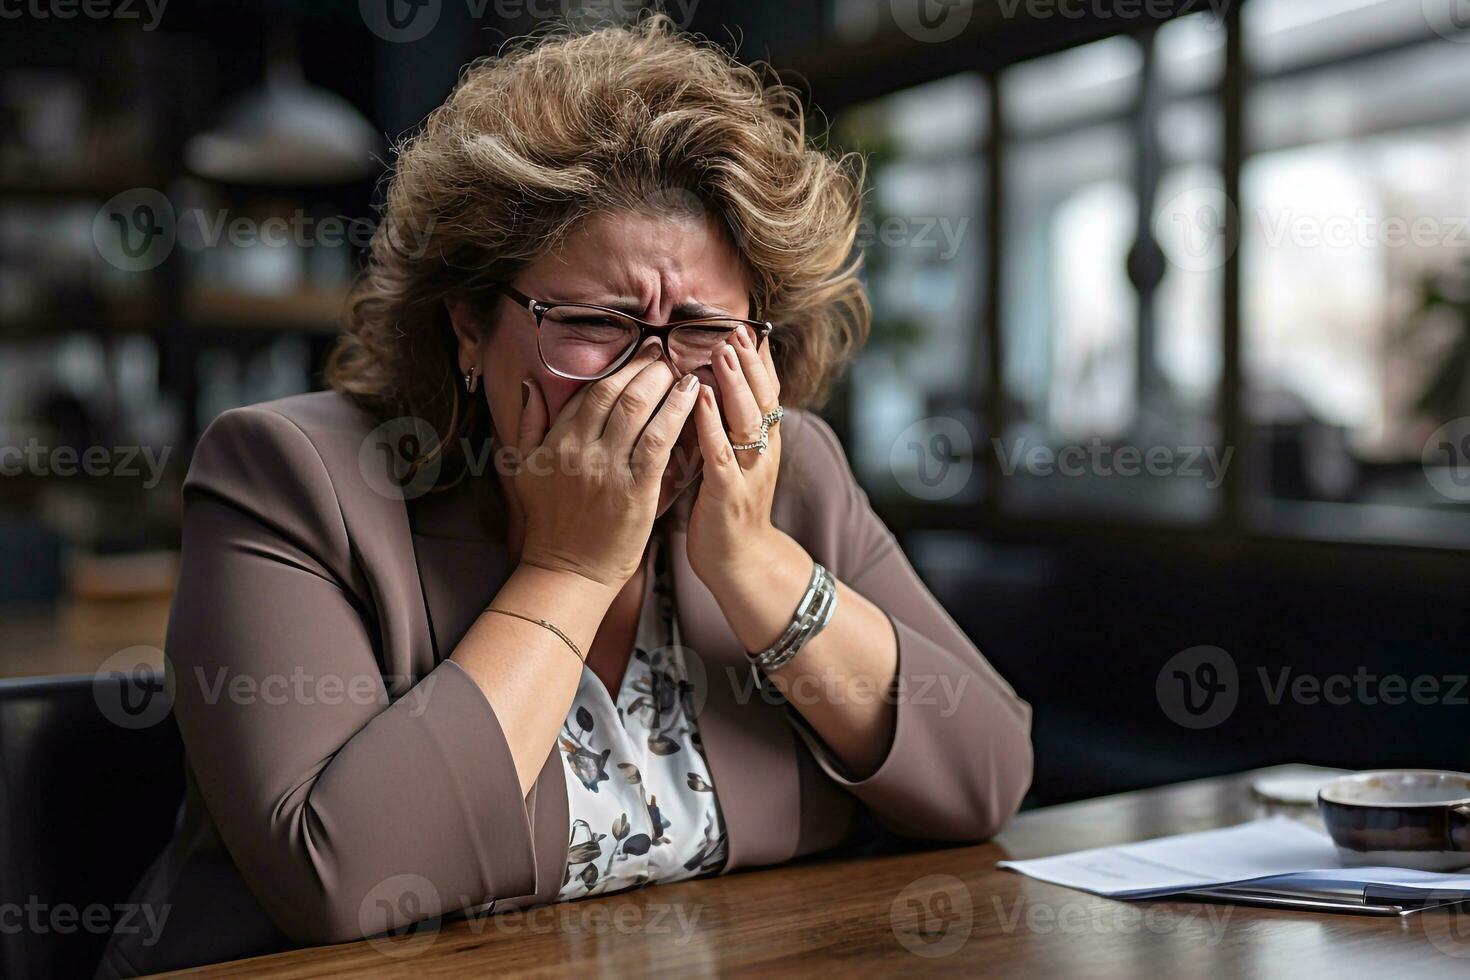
(1171,344)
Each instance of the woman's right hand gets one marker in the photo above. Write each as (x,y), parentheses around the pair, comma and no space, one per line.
(589,485)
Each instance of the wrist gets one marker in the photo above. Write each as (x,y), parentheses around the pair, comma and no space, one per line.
(744,569)
(571,568)
(570,602)
(565,587)
(759,596)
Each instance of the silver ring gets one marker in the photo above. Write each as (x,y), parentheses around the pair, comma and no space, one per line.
(763,443)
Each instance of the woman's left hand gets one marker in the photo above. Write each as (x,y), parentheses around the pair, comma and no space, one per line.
(732,514)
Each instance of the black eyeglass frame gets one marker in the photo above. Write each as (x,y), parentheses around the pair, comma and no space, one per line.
(539,308)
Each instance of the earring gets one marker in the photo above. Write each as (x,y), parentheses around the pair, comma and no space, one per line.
(471,382)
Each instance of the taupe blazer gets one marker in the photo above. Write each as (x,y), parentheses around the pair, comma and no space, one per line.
(333,747)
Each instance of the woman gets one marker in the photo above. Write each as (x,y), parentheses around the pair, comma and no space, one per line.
(559,592)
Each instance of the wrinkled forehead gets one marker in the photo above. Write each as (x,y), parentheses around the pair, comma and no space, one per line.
(654,261)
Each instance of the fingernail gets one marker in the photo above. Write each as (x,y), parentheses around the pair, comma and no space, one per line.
(688,382)
(729,354)
(743,338)
(650,350)
(525,393)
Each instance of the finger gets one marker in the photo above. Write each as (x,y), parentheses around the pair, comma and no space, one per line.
(650,456)
(769,360)
(742,414)
(587,410)
(760,379)
(636,405)
(531,429)
(721,470)
(533,425)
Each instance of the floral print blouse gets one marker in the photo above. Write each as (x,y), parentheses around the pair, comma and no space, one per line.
(639,791)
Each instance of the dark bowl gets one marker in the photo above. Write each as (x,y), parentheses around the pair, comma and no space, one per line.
(1401,818)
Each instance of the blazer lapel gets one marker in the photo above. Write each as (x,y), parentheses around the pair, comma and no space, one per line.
(748,741)
(459,578)
(460,570)
(460,566)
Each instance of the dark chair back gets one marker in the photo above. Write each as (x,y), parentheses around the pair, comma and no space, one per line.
(91,777)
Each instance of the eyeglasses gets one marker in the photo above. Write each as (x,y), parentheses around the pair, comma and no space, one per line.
(585,343)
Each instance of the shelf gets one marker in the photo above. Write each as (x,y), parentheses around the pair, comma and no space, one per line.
(135,575)
(1442,527)
(313,311)
(140,316)
(83,186)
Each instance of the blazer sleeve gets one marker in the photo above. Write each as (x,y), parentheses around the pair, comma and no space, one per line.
(348,809)
(961,758)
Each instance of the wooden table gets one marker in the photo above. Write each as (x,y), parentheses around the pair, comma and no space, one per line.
(945,911)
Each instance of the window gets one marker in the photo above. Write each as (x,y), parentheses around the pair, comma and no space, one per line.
(1356,209)
(1351,402)
(914,419)
(1111,406)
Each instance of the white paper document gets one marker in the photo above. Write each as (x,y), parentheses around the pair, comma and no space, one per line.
(1273,853)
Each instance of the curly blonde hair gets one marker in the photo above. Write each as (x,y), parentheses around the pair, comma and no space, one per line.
(576,123)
